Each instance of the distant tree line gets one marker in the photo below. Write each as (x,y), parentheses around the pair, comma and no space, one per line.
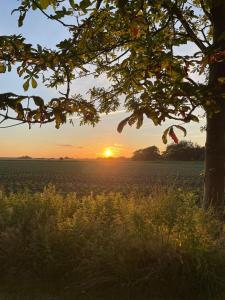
(185,150)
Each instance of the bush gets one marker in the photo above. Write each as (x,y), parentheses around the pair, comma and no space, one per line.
(184,151)
(151,153)
(163,245)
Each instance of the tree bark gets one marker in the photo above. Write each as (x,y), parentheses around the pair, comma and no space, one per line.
(215,136)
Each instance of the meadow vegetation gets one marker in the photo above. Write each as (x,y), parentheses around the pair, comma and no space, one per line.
(163,245)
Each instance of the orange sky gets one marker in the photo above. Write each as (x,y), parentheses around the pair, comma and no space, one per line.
(86,142)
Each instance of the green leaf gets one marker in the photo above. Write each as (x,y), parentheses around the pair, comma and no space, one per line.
(72,4)
(44,3)
(193,118)
(21,19)
(34,83)
(39,48)
(26,85)
(84,4)
(38,101)
(2,68)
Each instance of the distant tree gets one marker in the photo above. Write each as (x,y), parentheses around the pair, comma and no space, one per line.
(25,157)
(150,153)
(185,150)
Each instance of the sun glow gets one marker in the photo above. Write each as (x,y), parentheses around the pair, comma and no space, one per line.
(108,152)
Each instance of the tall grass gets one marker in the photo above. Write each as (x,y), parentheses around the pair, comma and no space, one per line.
(163,244)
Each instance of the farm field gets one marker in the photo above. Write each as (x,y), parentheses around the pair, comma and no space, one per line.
(96,176)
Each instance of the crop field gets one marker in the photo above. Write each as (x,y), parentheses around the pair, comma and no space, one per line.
(95,176)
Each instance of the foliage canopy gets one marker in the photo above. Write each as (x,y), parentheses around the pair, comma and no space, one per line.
(150,153)
(185,150)
(139,45)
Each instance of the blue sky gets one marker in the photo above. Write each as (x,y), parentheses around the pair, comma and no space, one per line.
(71,141)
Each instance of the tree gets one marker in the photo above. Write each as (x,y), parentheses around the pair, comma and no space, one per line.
(150,153)
(136,44)
(184,150)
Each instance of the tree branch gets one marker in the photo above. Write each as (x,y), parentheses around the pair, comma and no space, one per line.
(207,13)
(178,13)
(51,17)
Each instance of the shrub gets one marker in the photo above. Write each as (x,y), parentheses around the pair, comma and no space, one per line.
(161,244)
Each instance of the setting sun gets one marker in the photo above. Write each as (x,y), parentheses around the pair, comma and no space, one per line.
(108,152)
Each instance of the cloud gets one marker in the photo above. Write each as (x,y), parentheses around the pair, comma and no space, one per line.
(69,146)
(105,115)
(114,113)
(65,145)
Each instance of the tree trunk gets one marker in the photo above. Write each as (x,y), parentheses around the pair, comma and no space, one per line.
(214,163)
(215,139)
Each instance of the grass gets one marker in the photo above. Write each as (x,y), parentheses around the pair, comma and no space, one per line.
(163,246)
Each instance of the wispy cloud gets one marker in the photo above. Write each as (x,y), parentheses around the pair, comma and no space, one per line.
(69,146)
(65,145)
(118,112)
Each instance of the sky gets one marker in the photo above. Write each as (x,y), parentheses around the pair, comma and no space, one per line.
(72,141)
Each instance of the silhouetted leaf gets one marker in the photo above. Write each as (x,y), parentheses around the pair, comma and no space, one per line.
(182,129)
(38,101)
(84,4)
(140,121)
(122,124)
(173,135)
(164,136)
(193,118)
